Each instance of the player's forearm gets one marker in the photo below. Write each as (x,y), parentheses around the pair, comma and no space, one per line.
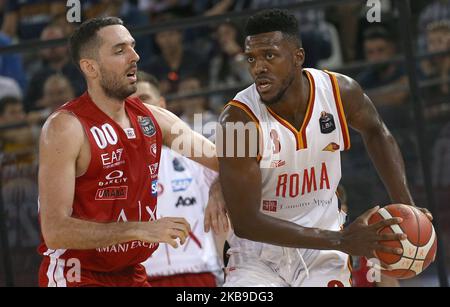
(388,161)
(280,232)
(72,233)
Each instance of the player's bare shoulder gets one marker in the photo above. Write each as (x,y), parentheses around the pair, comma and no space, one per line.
(62,131)
(161,114)
(347,85)
(352,95)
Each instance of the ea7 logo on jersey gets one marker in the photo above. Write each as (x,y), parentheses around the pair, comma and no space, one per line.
(112,159)
(327,124)
(147,126)
(104,136)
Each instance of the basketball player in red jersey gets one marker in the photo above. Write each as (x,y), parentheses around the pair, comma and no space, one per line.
(99,158)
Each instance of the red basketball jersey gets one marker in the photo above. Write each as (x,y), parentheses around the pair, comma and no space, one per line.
(119,185)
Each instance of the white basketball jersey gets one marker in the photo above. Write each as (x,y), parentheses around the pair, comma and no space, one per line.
(300,169)
(183,191)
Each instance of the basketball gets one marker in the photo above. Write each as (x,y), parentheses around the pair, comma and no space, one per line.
(419,249)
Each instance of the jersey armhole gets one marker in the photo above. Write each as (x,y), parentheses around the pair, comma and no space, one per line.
(340,110)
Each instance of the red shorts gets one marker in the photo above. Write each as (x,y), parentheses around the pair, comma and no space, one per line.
(184,280)
(54,273)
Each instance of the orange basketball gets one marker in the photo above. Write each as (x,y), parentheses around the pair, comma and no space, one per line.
(419,249)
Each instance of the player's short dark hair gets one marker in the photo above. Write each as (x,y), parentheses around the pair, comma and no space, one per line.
(6,101)
(272,20)
(85,42)
(378,32)
(142,76)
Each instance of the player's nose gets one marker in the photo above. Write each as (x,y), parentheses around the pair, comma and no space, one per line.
(135,56)
(260,67)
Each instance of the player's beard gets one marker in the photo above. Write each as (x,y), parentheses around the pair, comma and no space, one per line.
(115,86)
(284,87)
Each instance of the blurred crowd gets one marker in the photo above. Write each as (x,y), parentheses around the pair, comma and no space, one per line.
(200,69)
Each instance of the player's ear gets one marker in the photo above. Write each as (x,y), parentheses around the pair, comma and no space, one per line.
(299,57)
(89,68)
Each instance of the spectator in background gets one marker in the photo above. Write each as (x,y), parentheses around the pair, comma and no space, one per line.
(387,86)
(175,61)
(26,19)
(9,87)
(229,65)
(129,13)
(437,68)
(436,10)
(16,141)
(18,176)
(11,64)
(197,263)
(57,91)
(379,46)
(194,110)
(60,21)
(53,60)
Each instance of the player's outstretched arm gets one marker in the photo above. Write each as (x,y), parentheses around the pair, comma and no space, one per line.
(240,178)
(381,145)
(178,136)
(61,140)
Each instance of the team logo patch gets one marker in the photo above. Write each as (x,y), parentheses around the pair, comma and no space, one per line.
(177,165)
(147,126)
(332,147)
(270,205)
(153,168)
(326,122)
(153,150)
(277,163)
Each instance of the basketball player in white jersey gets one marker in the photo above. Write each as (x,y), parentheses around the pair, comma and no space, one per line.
(282,201)
(183,190)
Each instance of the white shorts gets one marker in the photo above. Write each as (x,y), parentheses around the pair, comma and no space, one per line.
(288,267)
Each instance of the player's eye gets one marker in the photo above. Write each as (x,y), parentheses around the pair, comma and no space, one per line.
(250,59)
(119,51)
(269,56)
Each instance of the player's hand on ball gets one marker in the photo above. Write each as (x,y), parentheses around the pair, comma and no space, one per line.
(362,239)
(166,230)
